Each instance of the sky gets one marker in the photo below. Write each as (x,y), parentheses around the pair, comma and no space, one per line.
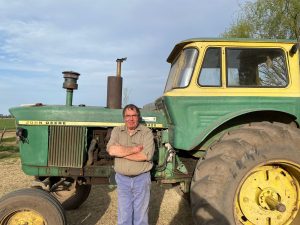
(39,39)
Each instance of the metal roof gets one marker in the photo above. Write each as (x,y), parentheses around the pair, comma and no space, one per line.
(181,44)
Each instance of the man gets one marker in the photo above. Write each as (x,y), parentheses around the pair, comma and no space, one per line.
(132,145)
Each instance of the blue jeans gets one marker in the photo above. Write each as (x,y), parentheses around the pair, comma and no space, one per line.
(133,199)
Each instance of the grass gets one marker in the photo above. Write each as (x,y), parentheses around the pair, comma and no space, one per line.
(10,155)
(7,123)
(9,148)
(9,151)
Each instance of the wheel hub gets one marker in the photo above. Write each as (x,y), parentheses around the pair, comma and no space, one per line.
(269,195)
(26,218)
(269,199)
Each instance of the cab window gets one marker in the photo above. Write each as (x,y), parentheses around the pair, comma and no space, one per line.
(256,68)
(182,69)
(210,74)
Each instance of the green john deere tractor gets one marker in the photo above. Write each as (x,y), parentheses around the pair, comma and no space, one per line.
(226,131)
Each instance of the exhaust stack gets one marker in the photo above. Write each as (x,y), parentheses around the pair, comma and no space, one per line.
(70,84)
(114,88)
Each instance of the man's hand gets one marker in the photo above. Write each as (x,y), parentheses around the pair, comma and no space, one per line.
(138,148)
(139,156)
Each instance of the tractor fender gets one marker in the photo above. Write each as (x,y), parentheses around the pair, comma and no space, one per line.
(202,138)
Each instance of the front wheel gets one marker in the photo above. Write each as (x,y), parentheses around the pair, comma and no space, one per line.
(250,177)
(31,206)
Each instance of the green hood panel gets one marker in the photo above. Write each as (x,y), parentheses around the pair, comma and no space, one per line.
(81,116)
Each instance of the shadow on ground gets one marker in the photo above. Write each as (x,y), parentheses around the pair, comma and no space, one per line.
(168,200)
(166,207)
(93,209)
(205,214)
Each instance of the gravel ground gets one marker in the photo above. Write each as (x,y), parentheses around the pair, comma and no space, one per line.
(166,205)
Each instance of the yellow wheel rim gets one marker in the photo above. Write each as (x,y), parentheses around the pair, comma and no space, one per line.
(26,217)
(269,196)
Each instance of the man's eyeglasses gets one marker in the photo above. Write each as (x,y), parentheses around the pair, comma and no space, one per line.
(130,116)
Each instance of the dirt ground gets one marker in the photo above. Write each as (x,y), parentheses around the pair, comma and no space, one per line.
(166,205)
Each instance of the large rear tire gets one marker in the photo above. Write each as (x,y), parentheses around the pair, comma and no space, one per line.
(250,177)
(31,206)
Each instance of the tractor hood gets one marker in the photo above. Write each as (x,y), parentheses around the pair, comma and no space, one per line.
(88,116)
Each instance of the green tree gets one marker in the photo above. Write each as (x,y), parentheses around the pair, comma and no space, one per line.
(267,19)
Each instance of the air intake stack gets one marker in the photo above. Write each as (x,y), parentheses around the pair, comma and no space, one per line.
(70,84)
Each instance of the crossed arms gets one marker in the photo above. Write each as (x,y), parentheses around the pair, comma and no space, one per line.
(132,153)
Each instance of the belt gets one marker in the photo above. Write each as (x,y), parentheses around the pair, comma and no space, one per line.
(132,176)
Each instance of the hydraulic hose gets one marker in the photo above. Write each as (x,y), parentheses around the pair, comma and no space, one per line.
(91,152)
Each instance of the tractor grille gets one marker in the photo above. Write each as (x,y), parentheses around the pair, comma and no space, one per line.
(66,146)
